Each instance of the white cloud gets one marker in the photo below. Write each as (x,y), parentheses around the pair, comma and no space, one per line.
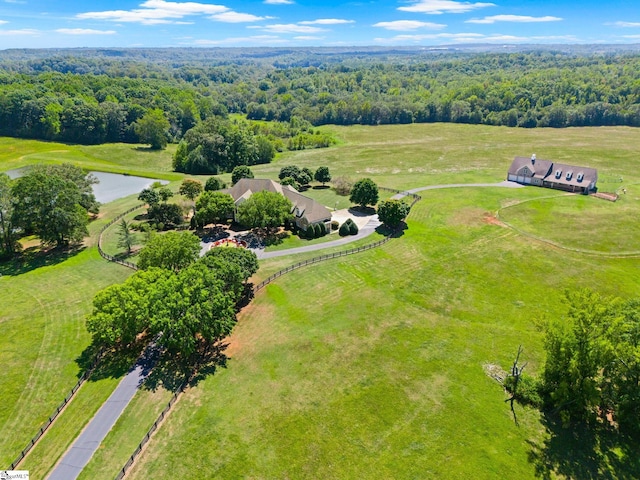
(308,37)
(2,22)
(513,18)
(235,17)
(290,28)
(85,31)
(183,8)
(327,21)
(279,2)
(406,25)
(24,31)
(436,7)
(155,12)
(631,36)
(625,24)
(21,2)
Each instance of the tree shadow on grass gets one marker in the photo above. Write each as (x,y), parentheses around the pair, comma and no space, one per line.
(34,257)
(163,369)
(112,364)
(146,149)
(396,232)
(172,372)
(584,452)
(360,211)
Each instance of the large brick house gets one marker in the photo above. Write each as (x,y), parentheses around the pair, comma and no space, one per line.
(548,174)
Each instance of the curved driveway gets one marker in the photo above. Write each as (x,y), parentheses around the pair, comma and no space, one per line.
(370,227)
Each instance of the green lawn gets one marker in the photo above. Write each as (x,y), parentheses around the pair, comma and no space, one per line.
(363,366)
(42,333)
(407,156)
(373,365)
(581,222)
(116,158)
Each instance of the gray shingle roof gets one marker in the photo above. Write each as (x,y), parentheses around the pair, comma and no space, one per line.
(303,206)
(548,170)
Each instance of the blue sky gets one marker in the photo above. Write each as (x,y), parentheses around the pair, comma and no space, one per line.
(286,23)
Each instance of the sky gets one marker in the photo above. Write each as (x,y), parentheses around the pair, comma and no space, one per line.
(291,23)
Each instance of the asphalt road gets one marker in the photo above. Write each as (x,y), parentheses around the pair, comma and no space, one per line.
(81,451)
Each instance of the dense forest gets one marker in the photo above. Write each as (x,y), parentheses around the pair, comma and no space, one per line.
(99,96)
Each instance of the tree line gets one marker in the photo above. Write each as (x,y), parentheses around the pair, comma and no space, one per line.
(95,100)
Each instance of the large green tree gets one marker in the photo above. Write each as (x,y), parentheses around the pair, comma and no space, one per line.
(239,172)
(172,251)
(264,209)
(194,307)
(592,365)
(153,128)
(84,181)
(190,188)
(243,258)
(322,175)
(49,206)
(392,212)
(122,311)
(186,308)
(214,207)
(364,192)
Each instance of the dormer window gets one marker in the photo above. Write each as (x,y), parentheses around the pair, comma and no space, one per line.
(558,173)
(580,176)
(569,175)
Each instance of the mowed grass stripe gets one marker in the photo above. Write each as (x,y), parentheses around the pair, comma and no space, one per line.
(373,364)
(42,332)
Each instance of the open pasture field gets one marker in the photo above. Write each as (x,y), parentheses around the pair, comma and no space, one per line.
(583,223)
(115,158)
(365,366)
(408,156)
(373,366)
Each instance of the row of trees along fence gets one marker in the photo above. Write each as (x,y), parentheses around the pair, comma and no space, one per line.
(55,414)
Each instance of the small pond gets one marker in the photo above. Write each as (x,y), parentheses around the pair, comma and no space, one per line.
(112,186)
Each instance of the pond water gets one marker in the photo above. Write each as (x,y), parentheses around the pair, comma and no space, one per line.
(112,186)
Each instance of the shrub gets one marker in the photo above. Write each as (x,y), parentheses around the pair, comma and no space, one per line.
(213,184)
(342,186)
(527,392)
(344,229)
(318,227)
(166,213)
(334,225)
(353,228)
